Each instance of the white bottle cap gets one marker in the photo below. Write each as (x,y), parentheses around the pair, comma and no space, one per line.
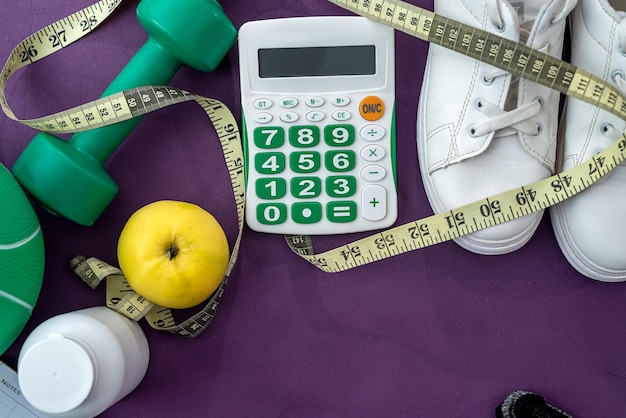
(57,373)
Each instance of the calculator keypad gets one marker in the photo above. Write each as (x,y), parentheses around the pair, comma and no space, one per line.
(320,164)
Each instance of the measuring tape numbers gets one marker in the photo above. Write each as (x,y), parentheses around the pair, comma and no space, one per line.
(499,52)
(120,297)
(117,108)
(504,54)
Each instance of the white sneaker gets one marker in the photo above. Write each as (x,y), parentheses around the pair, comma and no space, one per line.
(480,132)
(591,226)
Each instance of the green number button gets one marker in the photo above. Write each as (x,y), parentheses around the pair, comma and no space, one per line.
(339,135)
(306,187)
(304,136)
(269,162)
(341,186)
(269,137)
(306,212)
(340,161)
(305,162)
(271,213)
(271,188)
(341,212)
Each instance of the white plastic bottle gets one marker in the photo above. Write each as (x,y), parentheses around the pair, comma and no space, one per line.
(80,363)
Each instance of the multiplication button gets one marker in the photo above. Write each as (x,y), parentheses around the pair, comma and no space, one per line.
(372,153)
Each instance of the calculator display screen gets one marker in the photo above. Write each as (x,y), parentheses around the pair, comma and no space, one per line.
(317,61)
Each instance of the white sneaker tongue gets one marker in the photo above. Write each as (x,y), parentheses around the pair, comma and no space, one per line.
(527,10)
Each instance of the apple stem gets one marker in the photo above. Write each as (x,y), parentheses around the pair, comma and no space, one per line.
(172,251)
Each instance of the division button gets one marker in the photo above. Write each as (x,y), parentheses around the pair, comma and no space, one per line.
(374,203)
(372,132)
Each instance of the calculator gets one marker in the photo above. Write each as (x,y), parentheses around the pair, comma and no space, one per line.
(318,116)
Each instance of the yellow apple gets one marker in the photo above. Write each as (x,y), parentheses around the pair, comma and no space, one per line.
(173,253)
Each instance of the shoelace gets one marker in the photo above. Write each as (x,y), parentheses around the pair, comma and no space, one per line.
(507,122)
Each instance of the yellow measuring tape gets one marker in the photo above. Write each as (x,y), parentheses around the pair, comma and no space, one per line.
(116,108)
(499,52)
(507,55)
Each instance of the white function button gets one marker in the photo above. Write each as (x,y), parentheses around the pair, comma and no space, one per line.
(341,101)
(262,117)
(341,115)
(373,173)
(372,153)
(289,117)
(372,132)
(374,203)
(315,116)
(288,102)
(314,101)
(262,103)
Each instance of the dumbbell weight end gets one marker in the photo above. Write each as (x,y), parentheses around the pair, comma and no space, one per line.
(68,177)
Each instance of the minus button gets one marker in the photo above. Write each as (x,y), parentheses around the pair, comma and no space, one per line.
(373,173)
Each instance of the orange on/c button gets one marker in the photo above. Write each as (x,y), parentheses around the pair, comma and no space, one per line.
(372,108)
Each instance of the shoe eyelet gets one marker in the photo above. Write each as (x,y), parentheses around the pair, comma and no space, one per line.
(539,130)
(605,127)
(472,132)
(502,27)
(545,47)
(617,74)
(487,81)
(552,21)
(479,104)
(540,100)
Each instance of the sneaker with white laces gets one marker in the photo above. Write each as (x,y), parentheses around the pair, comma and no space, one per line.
(480,130)
(591,227)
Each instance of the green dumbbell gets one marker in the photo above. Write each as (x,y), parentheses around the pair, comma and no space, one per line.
(67,177)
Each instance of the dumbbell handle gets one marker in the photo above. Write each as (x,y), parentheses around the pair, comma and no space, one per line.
(151,65)
(55,171)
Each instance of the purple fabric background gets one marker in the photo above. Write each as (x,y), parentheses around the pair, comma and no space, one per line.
(439,332)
